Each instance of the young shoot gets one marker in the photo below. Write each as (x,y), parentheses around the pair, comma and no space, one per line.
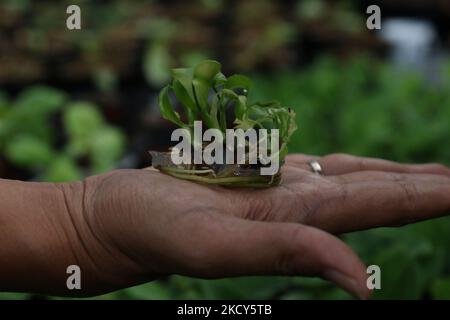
(221,105)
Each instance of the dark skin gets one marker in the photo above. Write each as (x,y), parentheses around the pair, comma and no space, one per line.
(131,226)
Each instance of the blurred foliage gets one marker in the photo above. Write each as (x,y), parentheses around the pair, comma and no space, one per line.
(121,39)
(55,139)
(365,107)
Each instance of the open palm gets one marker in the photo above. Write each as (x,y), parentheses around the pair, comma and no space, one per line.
(158,225)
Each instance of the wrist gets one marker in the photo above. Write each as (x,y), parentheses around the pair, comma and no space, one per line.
(46,227)
(103,266)
(34,237)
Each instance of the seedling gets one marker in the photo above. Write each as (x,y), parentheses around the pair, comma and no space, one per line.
(221,103)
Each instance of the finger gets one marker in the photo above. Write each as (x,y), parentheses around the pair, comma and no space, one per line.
(229,246)
(335,164)
(343,163)
(365,200)
(300,160)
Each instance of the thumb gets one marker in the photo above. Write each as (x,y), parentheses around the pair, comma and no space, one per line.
(237,247)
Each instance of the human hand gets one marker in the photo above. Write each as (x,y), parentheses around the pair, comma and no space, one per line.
(357,193)
(154,225)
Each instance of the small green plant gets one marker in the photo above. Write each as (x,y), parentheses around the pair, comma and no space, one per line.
(207,95)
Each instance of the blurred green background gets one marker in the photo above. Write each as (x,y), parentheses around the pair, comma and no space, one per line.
(75,103)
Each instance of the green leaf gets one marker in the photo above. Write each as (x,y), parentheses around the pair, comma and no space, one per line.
(194,89)
(214,108)
(157,64)
(152,290)
(40,100)
(184,76)
(238,81)
(206,70)
(182,73)
(239,101)
(30,112)
(82,118)
(241,107)
(441,289)
(245,124)
(28,151)
(62,169)
(107,146)
(219,79)
(230,94)
(81,121)
(166,108)
(184,97)
(201,93)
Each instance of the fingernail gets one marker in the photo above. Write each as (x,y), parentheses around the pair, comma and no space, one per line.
(348,283)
